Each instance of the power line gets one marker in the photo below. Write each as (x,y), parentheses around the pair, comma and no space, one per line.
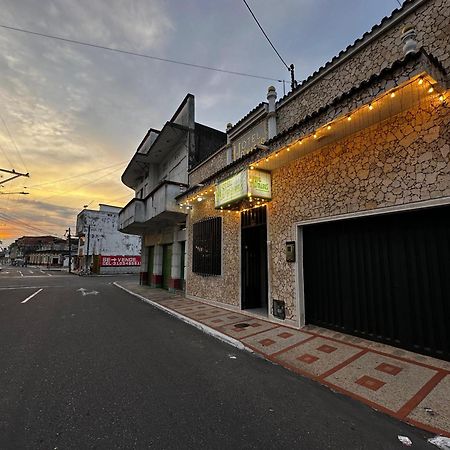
(141,55)
(76,176)
(20,224)
(14,143)
(267,37)
(82,185)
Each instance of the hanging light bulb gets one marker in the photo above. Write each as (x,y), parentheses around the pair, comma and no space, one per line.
(420,81)
(371,107)
(431,89)
(349,118)
(441,98)
(392,94)
(329,127)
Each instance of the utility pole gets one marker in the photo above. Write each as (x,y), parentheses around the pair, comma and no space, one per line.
(87,252)
(14,175)
(70,253)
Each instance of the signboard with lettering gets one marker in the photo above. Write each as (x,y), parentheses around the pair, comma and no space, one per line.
(249,140)
(260,184)
(232,189)
(248,183)
(120,261)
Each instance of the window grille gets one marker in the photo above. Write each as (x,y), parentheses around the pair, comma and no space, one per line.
(207,247)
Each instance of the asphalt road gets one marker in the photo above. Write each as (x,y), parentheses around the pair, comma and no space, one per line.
(81,370)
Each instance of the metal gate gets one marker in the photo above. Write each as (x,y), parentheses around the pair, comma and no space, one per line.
(384,278)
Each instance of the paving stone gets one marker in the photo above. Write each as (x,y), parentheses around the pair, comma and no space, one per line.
(275,340)
(434,409)
(401,382)
(327,353)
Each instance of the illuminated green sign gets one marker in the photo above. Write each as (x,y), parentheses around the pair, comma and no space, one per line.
(248,183)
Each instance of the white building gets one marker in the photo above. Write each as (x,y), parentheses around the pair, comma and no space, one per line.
(158,173)
(102,247)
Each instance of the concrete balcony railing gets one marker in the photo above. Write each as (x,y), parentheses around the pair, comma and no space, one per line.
(132,216)
(158,209)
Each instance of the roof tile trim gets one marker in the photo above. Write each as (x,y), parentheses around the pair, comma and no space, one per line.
(366,83)
(356,45)
(256,108)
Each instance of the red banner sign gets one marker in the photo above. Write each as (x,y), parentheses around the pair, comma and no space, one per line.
(120,261)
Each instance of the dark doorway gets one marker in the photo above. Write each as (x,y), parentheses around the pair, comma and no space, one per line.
(384,278)
(254,259)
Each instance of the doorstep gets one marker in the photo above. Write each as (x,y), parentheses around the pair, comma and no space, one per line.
(408,386)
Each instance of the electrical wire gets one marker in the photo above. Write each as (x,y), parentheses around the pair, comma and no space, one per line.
(82,185)
(6,156)
(264,33)
(76,176)
(20,224)
(14,143)
(140,55)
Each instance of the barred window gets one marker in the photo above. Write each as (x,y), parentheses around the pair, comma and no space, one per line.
(207,247)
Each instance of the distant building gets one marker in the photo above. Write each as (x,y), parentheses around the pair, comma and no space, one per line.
(102,247)
(48,251)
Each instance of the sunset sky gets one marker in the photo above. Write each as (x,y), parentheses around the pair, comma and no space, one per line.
(72,116)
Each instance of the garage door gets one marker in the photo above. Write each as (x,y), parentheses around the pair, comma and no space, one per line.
(384,278)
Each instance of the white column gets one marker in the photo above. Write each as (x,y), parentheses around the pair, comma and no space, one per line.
(271,116)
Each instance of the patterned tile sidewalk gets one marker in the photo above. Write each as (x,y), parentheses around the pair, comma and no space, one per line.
(411,387)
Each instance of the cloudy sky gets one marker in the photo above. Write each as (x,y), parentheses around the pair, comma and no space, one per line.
(72,116)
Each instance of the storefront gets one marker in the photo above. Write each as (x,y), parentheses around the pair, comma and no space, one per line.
(354,235)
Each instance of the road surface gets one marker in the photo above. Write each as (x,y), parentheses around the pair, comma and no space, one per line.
(85,365)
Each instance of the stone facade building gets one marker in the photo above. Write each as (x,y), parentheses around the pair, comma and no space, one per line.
(331,206)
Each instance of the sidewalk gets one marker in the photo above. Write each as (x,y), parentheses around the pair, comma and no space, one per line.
(411,387)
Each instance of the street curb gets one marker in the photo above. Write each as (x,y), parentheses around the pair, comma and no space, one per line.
(208,330)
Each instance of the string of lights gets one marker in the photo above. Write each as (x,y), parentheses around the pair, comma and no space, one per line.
(421,81)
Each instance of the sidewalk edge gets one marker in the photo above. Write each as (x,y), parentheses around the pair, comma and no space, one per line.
(208,330)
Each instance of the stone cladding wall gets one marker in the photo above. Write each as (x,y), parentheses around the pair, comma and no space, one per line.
(210,167)
(432,23)
(402,160)
(226,287)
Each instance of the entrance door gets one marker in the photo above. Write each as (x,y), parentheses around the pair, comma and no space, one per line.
(151,255)
(383,277)
(167,265)
(254,259)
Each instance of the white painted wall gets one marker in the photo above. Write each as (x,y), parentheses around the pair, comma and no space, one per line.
(104,237)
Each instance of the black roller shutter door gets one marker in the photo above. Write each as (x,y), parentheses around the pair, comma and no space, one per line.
(384,278)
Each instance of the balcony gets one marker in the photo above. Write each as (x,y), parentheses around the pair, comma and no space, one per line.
(153,213)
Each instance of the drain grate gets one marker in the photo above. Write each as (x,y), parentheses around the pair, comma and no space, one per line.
(242,325)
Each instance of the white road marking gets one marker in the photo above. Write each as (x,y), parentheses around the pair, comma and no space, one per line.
(21,274)
(12,288)
(84,292)
(49,274)
(32,295)
(30,271)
